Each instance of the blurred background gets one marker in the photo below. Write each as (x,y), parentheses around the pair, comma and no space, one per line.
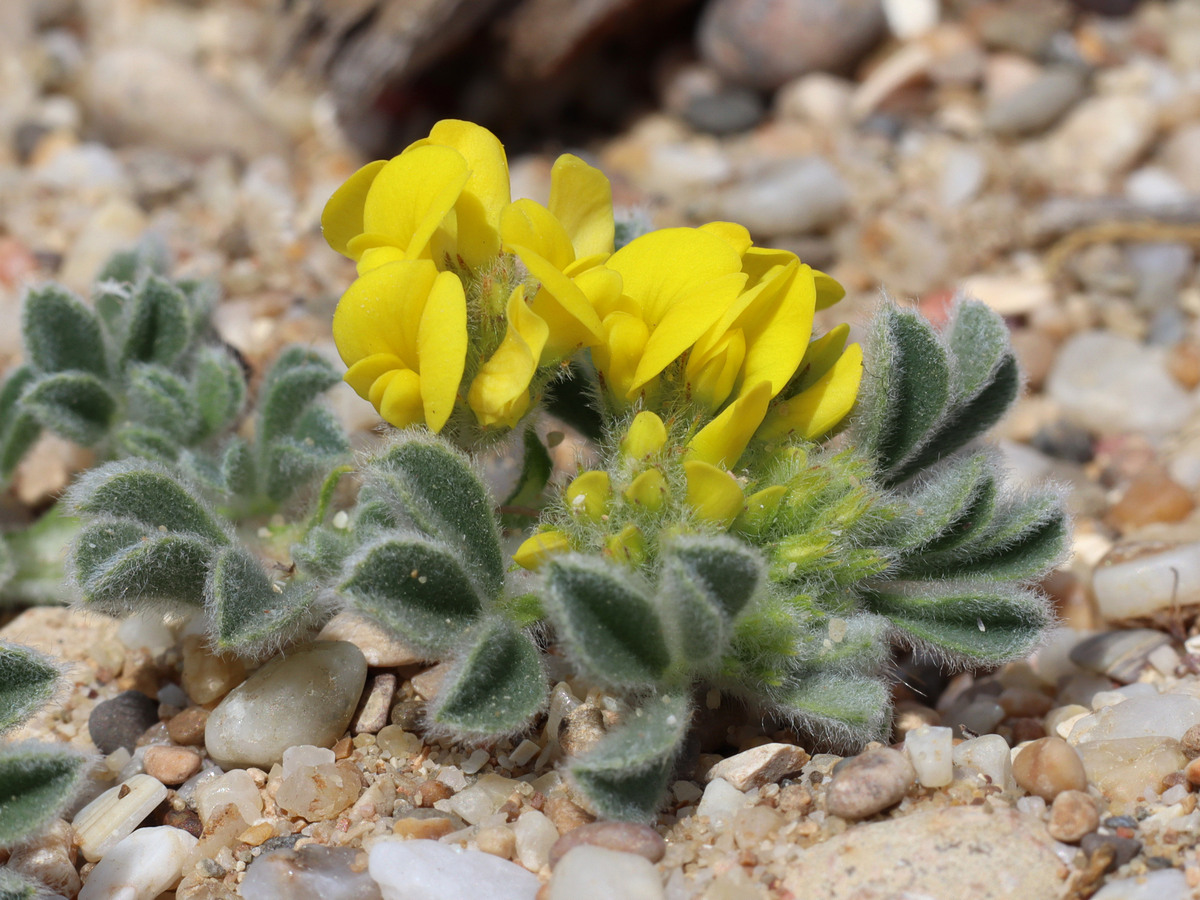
(1043,155)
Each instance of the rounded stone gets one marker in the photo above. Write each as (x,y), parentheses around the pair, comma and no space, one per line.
(1049,766)
(624,837)
(764,43)
(187,727)
(306,697)
(171,765)
(1073,815)
(119,722)
(869,783)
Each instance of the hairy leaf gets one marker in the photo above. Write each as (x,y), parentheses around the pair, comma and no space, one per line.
(27,681)
(36,782)
(146,494)
(18,429)
(246,611)
(75,405)
(296,378)
(163,569)
(219,388)
(846,710)
(158,324)
(61,333)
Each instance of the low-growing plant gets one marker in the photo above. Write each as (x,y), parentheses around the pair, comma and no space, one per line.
(733,533)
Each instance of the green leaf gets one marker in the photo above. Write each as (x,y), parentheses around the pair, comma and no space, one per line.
(416,588)
(527,496)
(148,443)
(979,342)
(18,429)
(145,493)
(36,783)
(316,443)
(161,570)
(1028,553)
(159,324)
(75,405)
(160,399)
(297,377)
(238,472)
(625,776)
(98,542)
(436,490)
(496,686)
(953,508)
(857,643)
(219,389)
(967,622)
(149,257)
(323,552)
(247,612)
(608,624)
(27,682)
(61,333)
(841,709)
(15,886)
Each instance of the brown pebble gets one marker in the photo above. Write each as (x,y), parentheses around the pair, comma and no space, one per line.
(1190,742)
(171,765)
(429,829)
(1022,703)
(1027,730)
(1049,766)
(869,783)
(498,840)
(1151,497)
(911,716)
(624,837)
(1183,363)
(1119,850)
(187,728)
(184,819)
(1192,771)
(566,815)
(581,729)
(1073,814)
(432,791)
(794,798)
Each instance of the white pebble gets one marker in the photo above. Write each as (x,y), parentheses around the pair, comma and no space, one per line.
(429,870)
(112,816)
(481,799)
(536,834)
(597,873)
(720,802)
(1146,584)
(141,866)
(930,750)
(236,787)
(988,755)
(476,761)
(1165,884)
(305,755)
(1163,715)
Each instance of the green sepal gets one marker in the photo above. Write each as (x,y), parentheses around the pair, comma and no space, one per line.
(607,622)
(977,623)
(247,613)
(27,682)
(158,324)
(625,776)
(143,492)
(296,378)
(36,782)
(75,405)
(18,429)
(496,685)
(528,493)
(160,570)
(415,587)
(844,710)
(219,389)
(60,333)
(434,489)
(146,442)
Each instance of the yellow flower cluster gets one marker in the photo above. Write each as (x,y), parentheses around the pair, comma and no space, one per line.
(691,322)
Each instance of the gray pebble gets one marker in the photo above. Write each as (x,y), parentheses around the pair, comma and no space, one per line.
(119,722)
(1124,849)
(725,112)
(869,783)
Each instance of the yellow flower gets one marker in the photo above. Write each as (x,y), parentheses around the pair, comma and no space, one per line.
(499,393)
(440,199)
(402,330)
(825,392)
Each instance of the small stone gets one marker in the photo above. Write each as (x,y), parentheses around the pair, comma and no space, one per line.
(49,858)
(1151,497)
(1140,578)
(141,866)
(930,750)
(208,676)
(235,788)
(428,870)
(1160,885)
(1101,138)
(795,197)
(1024,703)
(171,765)
(397,743)
(184,819)
(765,764)
(1121,655)
(566,814)
(988,755)
(1073,814)
(1156,715)
(119,722)
(1123,849)
(306,697)
(376,704)
(536,835)
(1038,105)
(755,824)
(1190,742)
(1128,770)
(1009,295)
(720,801)
(113,227)
(623,837)
(1049,766)
(113,816)
(498,840)
(581,730)
(320,792)
(869,783)
(187,727)
(313,872)
(379,648)
(598,873)
(481,799)
(726,111)
(430,828)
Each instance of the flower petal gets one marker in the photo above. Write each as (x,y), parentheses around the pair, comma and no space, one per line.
(529,226)
(499,393)
(722,440)
(381,312)
(737,236)
(442,348)
(581,198)
(363,374)
(712,493)
(618,355)
(819,357)
(812,413)
(829,291)
(486,192)
(400,401)
(342,218)
(778,327)
(412,194)
(536,550)
(602,287)
(588,493)
(646,436)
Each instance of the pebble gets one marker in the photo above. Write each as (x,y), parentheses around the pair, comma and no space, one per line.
(171,765)
(795,197)
(187,727)
(1073,814)
(480,800)
(989,755)
(764,764)
(1156,715)
(1100,381)
(727,111)
(1190,742)
(1165,884)
(720,802)
(428,870)
(869,783)
(113,227)
(755,824)
(235,788)
(977,852)
(113,816)
(1128,770)
(536,836)
(376,704)
(764,43)
(49,858)
(146,631)
(380,649)
(1151,497)
(623,837)
(141,866)
(1100,139)
(313,872)
(598,873)
(1124,849)
(1038,105)
(1009,295)
(1138,579)
(208,676)
(1049,766)
(306,697)
(1121,655)
(319,792)
(119,722)
(930,750)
